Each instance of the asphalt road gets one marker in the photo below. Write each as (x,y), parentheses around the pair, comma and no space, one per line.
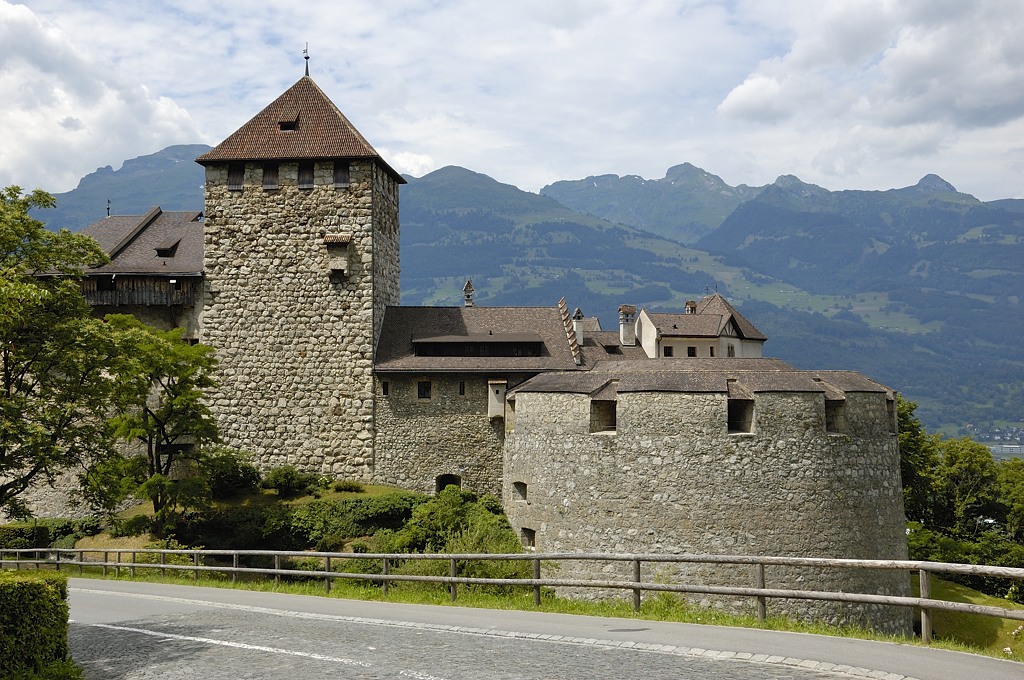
(139,630)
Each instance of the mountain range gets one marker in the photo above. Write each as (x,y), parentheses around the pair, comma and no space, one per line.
(919,287)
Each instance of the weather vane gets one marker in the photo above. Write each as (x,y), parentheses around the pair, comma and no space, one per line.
(305,55)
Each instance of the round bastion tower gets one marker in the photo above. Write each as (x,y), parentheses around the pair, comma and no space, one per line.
(301,259)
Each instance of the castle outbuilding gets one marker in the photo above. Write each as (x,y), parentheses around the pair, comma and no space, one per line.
(671,434)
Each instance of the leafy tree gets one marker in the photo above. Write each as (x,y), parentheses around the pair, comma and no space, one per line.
(56,361)
(160,406)
(919,459)
(965,483)
(1010,490)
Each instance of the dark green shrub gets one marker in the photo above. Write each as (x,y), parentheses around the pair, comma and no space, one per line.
(349,485)
(133,526)
(241,528)
(328,524)
(34,621)
(24,536)
(230,474)
(289,482)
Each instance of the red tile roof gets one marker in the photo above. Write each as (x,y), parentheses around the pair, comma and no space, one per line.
(321,131)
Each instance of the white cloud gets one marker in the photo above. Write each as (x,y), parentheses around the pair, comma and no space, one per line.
(842,93)
(67,111)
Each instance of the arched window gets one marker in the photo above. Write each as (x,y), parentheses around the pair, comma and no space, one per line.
(444,481)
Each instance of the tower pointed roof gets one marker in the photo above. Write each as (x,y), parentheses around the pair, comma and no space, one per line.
(301,124)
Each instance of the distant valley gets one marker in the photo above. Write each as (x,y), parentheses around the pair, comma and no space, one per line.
(919,287)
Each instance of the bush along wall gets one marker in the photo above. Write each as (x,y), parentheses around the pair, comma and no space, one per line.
(34,621)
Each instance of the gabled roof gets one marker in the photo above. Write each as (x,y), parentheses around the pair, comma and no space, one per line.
(135,243)
(712,317)
(716,304)
(404,327)
(301,124)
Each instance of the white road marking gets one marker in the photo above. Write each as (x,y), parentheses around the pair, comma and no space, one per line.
(237,645)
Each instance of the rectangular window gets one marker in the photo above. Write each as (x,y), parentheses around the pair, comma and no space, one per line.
(384,388)
(236,175)
(270,176)
(519,490)
(712,352)
(667,351)
(602,415)
(423,389)
(529,537)
(730,350)
(835,418)
(341,174)
(462,388)
(306,175)
(741,415)
(691,351)
(105,284)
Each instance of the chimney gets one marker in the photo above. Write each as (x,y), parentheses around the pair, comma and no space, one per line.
(468,292)
(690,308)
(627,327)
(577,325)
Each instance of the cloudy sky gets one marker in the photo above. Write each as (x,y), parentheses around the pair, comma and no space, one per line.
(864,94)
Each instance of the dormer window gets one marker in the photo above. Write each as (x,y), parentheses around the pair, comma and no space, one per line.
(168,247)
(289,121)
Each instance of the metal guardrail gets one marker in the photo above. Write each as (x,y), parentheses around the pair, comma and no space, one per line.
(59,558)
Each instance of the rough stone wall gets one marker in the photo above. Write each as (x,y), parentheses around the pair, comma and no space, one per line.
(449,434)
(673,480)
(296,346)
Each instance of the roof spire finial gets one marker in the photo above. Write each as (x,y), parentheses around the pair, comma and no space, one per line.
(305,55)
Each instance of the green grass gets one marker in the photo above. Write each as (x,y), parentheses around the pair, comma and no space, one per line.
(985,633)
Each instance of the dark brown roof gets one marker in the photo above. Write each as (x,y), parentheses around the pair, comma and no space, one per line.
(740,378)
(716,304)
(403,326)
(132,241)
(319,131)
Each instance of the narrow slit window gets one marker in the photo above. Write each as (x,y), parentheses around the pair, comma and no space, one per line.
(270,174)
(462,388)
(341,178)
(306,175)
(236,175)
(384,388)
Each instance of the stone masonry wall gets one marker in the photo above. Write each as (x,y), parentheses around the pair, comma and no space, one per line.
(296,347)
(671,479)
(449,434)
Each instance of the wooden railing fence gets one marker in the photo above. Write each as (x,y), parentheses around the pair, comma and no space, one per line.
(60,558)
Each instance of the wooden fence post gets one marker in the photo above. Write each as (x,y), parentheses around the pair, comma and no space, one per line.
(636,590)
(327,580)
(761,599)
(454,573)
(277,570)
(234,567)
(536,577)
(384,581)
(926,614)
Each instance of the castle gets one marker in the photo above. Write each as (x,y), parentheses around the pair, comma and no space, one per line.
(670,434)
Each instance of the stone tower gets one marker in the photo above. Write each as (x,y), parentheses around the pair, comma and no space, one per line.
(301,259)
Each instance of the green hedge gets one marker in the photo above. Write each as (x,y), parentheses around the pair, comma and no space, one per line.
(24,536)
(34,621)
